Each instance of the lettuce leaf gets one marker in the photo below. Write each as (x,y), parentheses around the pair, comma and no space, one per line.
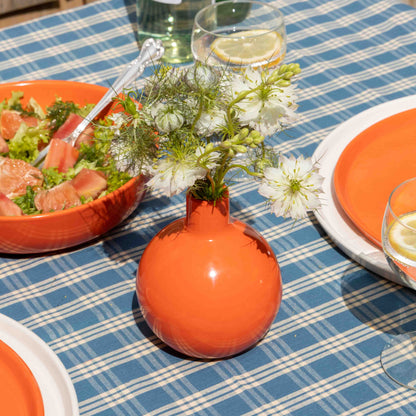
(24,144)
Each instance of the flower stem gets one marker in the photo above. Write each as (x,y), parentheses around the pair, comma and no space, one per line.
(244,168)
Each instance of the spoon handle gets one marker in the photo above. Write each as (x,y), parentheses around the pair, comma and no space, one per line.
(151,50)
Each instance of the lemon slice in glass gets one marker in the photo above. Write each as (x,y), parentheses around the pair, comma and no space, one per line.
(248,47)
(403,239)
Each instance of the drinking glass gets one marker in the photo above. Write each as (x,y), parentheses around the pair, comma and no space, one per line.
(398,358)
(239,34)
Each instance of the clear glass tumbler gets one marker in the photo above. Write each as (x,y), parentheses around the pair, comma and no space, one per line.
(398,358)
(239,34)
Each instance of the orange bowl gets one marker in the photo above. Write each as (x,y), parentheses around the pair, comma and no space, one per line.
(63,229)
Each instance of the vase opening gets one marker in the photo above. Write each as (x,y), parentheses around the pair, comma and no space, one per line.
(207,215)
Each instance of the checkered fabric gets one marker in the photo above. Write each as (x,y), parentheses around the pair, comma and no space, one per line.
(321,355)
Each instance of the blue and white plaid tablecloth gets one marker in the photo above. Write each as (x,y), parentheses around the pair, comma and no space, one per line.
(321,356)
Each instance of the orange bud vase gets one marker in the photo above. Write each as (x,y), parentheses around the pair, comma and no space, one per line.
(208,285)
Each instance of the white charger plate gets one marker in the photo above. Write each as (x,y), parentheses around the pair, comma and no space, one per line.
(331,216)
(58,393)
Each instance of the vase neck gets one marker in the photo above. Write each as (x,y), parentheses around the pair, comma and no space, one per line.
(207,215)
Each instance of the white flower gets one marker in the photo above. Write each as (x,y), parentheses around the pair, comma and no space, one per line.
(210,122)
(268,114)
(249,79)
(293,188)
(244,81)
(118,119)
(175,173)
(123,162)
(267,109)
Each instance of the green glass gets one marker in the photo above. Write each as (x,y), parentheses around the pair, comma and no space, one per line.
(171,23)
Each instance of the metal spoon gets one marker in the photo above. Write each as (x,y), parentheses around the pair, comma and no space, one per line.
(152,49)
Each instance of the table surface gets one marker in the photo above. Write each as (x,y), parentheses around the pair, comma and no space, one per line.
(321,356)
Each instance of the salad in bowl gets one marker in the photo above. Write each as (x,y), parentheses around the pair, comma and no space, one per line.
(78,193)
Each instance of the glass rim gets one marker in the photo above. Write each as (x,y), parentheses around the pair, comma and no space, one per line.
(394,215)
(223,3)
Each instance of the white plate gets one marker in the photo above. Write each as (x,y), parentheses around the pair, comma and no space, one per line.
(331,216)
(57,390)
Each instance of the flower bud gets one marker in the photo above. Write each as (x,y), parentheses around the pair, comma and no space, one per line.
(258,140)
(254,134)
(295,68)
(243,133)
(248,140)
(288,75)
(201,76)
(168,119)
(275,76)
(226,144)
(209,147)
(239,148)
(129,106)
(283,68)
(283,83)
(262,164)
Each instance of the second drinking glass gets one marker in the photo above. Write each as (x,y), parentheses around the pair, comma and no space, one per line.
(239,34)
(399,244)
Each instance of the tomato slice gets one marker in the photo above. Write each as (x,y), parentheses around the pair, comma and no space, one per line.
(89,183)
(71,123)
(61,155)
(87,137)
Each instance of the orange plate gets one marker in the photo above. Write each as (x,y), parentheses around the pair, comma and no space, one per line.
(371,166)
(19,391)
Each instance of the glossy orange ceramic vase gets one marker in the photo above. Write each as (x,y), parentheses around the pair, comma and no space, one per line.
(208,285)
